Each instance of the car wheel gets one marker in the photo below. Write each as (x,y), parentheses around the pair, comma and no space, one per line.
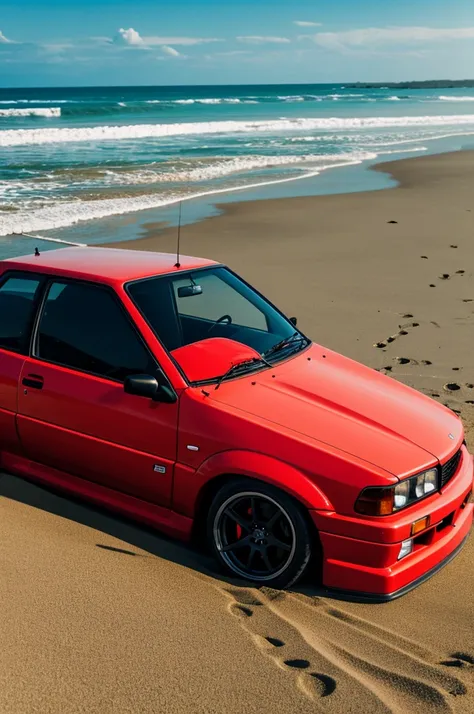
(259,533)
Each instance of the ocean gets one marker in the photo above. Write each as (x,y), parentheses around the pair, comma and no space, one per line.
(68,156)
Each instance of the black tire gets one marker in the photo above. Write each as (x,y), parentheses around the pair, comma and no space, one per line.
(259,533)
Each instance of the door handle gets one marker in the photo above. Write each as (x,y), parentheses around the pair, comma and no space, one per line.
(34,381)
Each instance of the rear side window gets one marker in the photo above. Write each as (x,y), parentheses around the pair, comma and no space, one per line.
(84,327)
(17,306)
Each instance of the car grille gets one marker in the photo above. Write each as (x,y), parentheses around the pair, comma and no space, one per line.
(449,468)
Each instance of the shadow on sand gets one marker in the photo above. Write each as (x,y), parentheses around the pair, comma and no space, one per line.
(129,532)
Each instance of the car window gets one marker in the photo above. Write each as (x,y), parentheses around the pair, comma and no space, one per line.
(17,295)
(218,298)
(84,327)
(196,305)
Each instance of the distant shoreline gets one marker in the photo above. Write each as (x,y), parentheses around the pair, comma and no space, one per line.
(409,84)
(422,84)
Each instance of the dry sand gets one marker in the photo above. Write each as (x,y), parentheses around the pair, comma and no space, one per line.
(99,615)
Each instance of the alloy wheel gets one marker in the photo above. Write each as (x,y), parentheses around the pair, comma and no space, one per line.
(254,535)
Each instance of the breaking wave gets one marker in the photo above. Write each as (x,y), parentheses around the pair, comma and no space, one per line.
(40,112)
(19,137)
(67,213)
(456,99)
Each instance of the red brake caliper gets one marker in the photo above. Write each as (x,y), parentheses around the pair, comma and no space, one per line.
(239,528)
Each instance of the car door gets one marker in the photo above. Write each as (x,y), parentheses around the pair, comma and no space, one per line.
(18,295)
(73,412)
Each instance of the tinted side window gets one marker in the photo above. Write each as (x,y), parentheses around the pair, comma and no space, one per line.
(84,327)
(17,295)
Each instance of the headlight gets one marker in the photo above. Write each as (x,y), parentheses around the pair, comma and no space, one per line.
(384,501)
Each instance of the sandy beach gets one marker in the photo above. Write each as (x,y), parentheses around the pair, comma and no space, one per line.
(102,616)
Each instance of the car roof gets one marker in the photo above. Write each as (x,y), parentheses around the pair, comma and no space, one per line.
(109,265)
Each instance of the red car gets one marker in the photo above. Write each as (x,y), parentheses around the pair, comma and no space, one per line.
(178,395)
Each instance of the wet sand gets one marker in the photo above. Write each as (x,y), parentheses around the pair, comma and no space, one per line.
(99,615)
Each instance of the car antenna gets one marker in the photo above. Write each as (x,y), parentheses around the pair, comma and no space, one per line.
(37,253)
(178,264)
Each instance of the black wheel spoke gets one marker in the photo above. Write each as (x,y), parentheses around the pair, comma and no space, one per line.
(237,544)
(273,519)
(253,550)
(278,543)
(266,560)
(238,519)
(253,509)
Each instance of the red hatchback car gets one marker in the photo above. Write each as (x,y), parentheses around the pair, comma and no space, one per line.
(177,394)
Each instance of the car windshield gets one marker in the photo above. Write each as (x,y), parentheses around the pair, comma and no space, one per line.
(193,306)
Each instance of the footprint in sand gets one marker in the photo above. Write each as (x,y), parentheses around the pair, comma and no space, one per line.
(340,657)
(297,663)
(401,333)
(447,276)
(451,387)
(275,642)
(314,684)
(405,360)
(459,659)
(241,611)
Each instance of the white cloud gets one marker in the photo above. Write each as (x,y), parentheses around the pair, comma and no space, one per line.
(57,47)
(4,40)
(304,23)
(171,51)
(179,40)
(370,37)
(129,37)
(260,40)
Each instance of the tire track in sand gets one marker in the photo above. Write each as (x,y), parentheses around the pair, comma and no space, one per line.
(345,663)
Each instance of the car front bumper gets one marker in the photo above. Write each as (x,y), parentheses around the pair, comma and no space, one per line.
(360,555)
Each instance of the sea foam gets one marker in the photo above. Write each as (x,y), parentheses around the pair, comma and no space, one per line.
(40,112)
(67,213)
(21,137)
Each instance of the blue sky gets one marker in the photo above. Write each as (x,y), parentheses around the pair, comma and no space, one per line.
(104,42)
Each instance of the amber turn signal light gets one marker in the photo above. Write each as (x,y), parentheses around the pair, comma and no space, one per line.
(375,502)
(420,525)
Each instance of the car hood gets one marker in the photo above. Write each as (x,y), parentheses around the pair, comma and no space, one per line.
(334,400)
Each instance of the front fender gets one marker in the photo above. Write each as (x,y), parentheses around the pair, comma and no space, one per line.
(188,486)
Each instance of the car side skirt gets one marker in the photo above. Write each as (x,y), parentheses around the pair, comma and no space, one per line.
(163,519)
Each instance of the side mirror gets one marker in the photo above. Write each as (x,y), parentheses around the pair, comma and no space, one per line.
(143,385)
(294,321)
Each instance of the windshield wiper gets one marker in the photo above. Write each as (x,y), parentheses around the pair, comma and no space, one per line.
(286,342)
(253,362)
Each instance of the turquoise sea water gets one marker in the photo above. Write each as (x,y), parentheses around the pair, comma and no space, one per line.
(68,156)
